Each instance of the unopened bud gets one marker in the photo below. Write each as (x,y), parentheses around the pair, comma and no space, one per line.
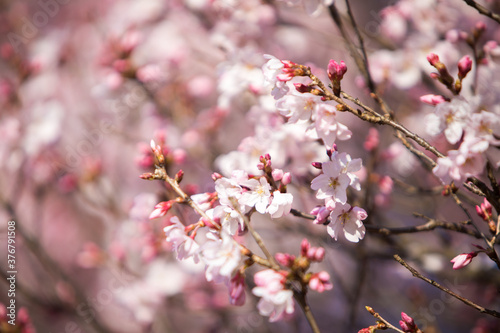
(336,71)
(341,107)
(317,165)
(179,175)
(464,66)
(277,174)
(287,178)
(147,176)
(433,59)
(304,247)
(432,99)
(284,259)
(302,88)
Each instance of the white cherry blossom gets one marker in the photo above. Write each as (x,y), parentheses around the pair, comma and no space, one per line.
(347,220)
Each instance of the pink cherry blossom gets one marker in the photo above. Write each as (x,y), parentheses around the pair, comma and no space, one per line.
(276,301)
(450,118)
(347,220)
(184,245)
(221,255)
(258,195)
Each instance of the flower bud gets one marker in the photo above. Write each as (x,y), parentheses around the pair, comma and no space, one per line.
(336,71)
(464,66)
(302,88)
(463,260)
(432,99)
(304,247)
(287,178)
(433,59)
(179,175)
(277,174)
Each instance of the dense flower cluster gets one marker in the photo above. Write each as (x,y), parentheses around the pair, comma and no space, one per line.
(228,108)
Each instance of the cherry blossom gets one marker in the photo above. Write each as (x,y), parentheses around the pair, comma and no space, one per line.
(276,301)
(347,219)
(280,204)
(258,195)
(184,245)
(221,255)
(450,117)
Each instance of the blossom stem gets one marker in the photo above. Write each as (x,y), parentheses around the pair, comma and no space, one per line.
(260,242)
(300,297)
(446,290)
(483,10)
(373,117)
(379,317)
(364,57)
(187,199)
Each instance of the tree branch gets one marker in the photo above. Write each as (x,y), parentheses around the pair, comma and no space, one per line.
(415,273)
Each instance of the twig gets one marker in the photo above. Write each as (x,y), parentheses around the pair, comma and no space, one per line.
(364,58)
(300,297)
(483,10)
(375,119)
(429,226)
(258,239)
(379,317)
(446,290)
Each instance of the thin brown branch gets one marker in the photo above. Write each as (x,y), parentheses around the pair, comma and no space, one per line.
(379,317)
(483,10)
(300,297)
(360,63)
(429,226)
(375,119)
(364,58)
(415,273)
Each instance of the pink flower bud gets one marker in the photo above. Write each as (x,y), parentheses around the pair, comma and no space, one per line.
(216,176)
(284,259)
(304,247)
(302,88)
(320,254)
(322,214)
(463,260)
(480,212)
(287,178)
(336,71)
(407,319)
(372,139)
(433,59)
(317,165)
(237,290)
(320,282)
(480,26)
(179,175)
(408,324)
(432,99)
(464,66)
(487,206)
(385,184)
(161,209)
(277,174)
